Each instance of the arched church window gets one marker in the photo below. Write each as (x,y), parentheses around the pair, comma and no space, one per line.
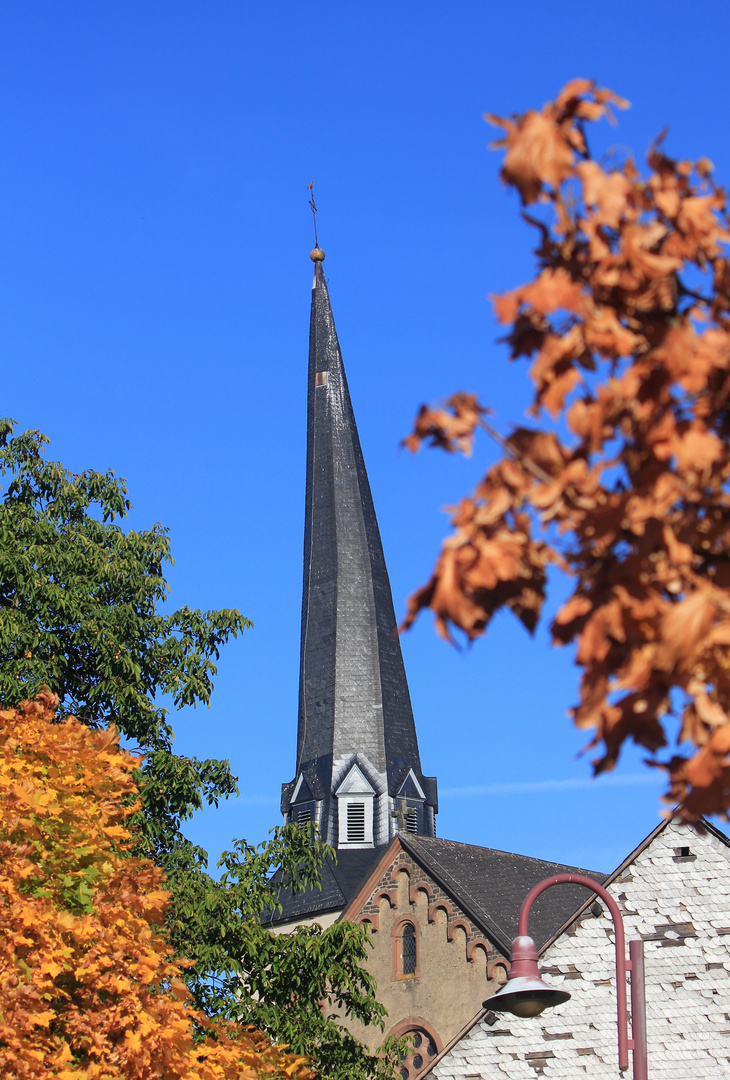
(408,950)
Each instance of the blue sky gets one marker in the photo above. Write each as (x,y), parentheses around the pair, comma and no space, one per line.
(155,281)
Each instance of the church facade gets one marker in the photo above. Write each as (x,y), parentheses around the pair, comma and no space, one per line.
(441,914)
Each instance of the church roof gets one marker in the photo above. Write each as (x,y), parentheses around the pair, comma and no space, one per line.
(353,694)
(489,885)
(340,882)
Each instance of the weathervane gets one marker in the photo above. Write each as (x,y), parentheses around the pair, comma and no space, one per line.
(316,255)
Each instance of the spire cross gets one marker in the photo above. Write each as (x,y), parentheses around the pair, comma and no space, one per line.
(312,203)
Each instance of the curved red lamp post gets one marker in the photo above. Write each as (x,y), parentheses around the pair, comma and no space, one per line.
(525,994)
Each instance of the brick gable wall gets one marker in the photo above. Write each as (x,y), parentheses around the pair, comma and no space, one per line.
(457,966)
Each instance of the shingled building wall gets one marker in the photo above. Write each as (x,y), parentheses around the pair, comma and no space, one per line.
(675,894)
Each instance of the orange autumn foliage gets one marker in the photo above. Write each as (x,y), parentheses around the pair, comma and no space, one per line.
(626,485)
(88,988)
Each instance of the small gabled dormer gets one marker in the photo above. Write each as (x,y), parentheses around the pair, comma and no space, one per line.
(303,808)
(355,799)
(411,810)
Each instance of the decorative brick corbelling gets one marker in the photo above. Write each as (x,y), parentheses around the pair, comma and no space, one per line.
(422,886)
(452,925)
(494,966)
(439,905)
(373,921)
(477,943)
(391,895)
(386,888)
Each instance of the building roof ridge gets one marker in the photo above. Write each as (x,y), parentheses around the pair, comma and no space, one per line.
(704,826)
(511,854)
(471,908)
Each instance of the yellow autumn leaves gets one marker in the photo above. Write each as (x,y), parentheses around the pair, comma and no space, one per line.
(88,988)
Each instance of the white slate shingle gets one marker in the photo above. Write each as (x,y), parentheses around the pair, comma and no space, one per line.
(680,906)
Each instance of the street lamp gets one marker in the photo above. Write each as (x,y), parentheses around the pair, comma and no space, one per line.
(525,994)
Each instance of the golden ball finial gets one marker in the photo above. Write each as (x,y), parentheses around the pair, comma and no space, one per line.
(316,254)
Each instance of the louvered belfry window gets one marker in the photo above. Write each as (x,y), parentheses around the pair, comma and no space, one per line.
(412,819)
(408,949)
(304,816)
(355,823)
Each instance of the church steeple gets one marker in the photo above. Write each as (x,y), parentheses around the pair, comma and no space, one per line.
(358,770)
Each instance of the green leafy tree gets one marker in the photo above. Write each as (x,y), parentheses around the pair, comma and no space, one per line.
(79,601)
(80,613)
(297,987)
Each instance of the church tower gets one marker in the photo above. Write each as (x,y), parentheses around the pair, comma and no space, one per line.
(358,770)
(440,914)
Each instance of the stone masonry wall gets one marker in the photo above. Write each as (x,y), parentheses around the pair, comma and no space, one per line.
(457,967)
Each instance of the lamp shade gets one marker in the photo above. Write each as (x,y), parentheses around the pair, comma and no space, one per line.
(525,994)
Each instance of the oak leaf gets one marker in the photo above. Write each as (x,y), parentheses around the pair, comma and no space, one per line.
(626,483)
(538,153)
(608,192)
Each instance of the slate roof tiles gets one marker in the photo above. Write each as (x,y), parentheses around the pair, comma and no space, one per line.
(489,885)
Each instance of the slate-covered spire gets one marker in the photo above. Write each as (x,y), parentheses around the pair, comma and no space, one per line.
(358,770)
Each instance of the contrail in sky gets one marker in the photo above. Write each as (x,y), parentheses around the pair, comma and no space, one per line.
(523,787)
(527,786)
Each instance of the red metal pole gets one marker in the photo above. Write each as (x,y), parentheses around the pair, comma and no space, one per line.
(618,925)
(638,1010)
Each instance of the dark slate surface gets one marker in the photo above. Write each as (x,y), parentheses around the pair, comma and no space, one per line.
(491,886)
(341,529)
(340,882)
